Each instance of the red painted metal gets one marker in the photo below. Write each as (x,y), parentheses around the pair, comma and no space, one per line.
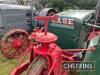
(94,34)
(17,44)
(46,19)
(49,37)
(47,48)
(18,71)
(79,50)
(13,42)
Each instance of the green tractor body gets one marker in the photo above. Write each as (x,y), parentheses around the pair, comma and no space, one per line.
(70,28)
(73,33)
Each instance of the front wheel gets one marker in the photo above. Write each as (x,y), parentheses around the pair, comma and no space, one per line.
(14,43)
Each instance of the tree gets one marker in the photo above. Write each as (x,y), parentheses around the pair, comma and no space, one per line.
(22,2)
(86,4)
(58,4)
(69,4)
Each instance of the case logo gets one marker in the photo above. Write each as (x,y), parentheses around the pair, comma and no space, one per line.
(65,21)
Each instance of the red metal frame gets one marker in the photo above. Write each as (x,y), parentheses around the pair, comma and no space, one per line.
(53,53)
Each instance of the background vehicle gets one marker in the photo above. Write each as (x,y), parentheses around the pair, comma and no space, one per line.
(15,16)
(15,19)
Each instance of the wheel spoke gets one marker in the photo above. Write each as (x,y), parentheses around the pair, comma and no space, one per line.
(10,38)
(15,54)
(15,36)
(18,51)
(9,52)
(7,46)
(8,42)
(21,35)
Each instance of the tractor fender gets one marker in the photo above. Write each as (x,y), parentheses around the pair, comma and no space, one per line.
(46,12)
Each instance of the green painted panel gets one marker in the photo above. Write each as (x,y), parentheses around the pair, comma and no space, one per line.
(67,38)
(90,56)
(81,15)
(70,36)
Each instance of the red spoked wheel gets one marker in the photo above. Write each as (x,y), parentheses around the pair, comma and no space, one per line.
(14,43)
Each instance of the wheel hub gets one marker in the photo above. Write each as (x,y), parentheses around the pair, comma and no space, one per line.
(17,44)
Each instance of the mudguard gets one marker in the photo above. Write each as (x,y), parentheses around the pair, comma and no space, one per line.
(46,12)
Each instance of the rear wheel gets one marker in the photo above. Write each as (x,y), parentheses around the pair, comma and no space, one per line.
(37,67)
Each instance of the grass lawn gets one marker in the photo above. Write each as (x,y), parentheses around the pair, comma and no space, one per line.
(7,65)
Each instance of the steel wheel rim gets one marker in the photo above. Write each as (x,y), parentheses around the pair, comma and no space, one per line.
(9,39)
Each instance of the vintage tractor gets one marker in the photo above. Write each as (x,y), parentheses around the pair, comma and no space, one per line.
(69,36)
(17,28)
(46,57)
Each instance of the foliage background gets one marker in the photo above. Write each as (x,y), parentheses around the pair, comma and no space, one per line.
(69,4)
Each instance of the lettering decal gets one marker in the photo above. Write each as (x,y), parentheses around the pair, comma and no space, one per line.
(65,21)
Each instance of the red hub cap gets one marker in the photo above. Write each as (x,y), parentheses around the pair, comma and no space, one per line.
(17,44)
